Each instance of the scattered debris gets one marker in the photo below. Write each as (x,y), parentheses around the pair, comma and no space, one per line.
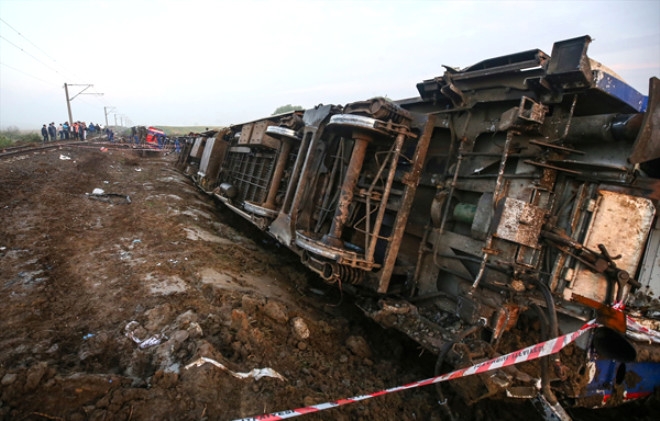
(257,373)
(112,198)
(132,329)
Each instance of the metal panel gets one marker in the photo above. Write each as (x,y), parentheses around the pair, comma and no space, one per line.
(621,223)
(259,136)
(197,148)
(649,275)
(520,222)
(206,155)
(621,90)
(246,133)
(647,145)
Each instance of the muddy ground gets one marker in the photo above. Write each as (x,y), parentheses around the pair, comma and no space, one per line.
(106,304)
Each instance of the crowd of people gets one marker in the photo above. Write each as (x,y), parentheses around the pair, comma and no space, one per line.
(76,131)
(82,131)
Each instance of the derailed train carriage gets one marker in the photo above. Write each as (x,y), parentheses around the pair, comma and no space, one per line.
(522,190)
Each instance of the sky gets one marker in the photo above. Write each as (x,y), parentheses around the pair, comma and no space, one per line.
(215,63)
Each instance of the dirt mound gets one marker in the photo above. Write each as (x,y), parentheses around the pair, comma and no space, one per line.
(107,304)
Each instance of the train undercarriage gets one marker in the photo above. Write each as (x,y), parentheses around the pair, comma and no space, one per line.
(520,194)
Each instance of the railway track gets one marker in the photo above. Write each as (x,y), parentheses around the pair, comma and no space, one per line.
(40,147)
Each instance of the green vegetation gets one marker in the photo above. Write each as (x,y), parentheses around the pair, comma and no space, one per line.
(5,141)
(12,137)
(286,108)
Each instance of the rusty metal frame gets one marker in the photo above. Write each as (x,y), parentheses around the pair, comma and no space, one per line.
(411,180)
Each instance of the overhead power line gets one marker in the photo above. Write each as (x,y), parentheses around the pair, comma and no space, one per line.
(26,74)
(49,67)
(45,64)
(58,64)
(23,36)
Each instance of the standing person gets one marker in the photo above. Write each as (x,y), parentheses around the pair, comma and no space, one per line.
(44,133)
(75,130)
(82,128)
(66,130)
(60,132)
(52,131)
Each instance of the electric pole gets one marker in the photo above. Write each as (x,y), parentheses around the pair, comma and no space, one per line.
(106,111)
(68,100)
(68,103)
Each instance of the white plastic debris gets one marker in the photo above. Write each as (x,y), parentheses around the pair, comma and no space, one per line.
(257,373)
(138,169)
(149,342)
(154,340)
(98,191)
(64,157)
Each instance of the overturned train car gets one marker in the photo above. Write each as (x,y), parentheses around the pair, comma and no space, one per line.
(515,198)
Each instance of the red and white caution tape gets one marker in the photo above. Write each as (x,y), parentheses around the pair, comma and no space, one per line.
(637,331)
(526,354)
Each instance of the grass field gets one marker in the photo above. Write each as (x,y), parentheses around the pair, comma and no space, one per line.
(13,136)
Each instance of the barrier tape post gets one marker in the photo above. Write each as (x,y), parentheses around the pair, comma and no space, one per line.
(530,353)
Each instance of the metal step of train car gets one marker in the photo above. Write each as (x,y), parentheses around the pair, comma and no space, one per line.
(512,201)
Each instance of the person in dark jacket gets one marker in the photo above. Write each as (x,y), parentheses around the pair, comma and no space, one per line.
(110,134)
(44,133)
(52,131)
